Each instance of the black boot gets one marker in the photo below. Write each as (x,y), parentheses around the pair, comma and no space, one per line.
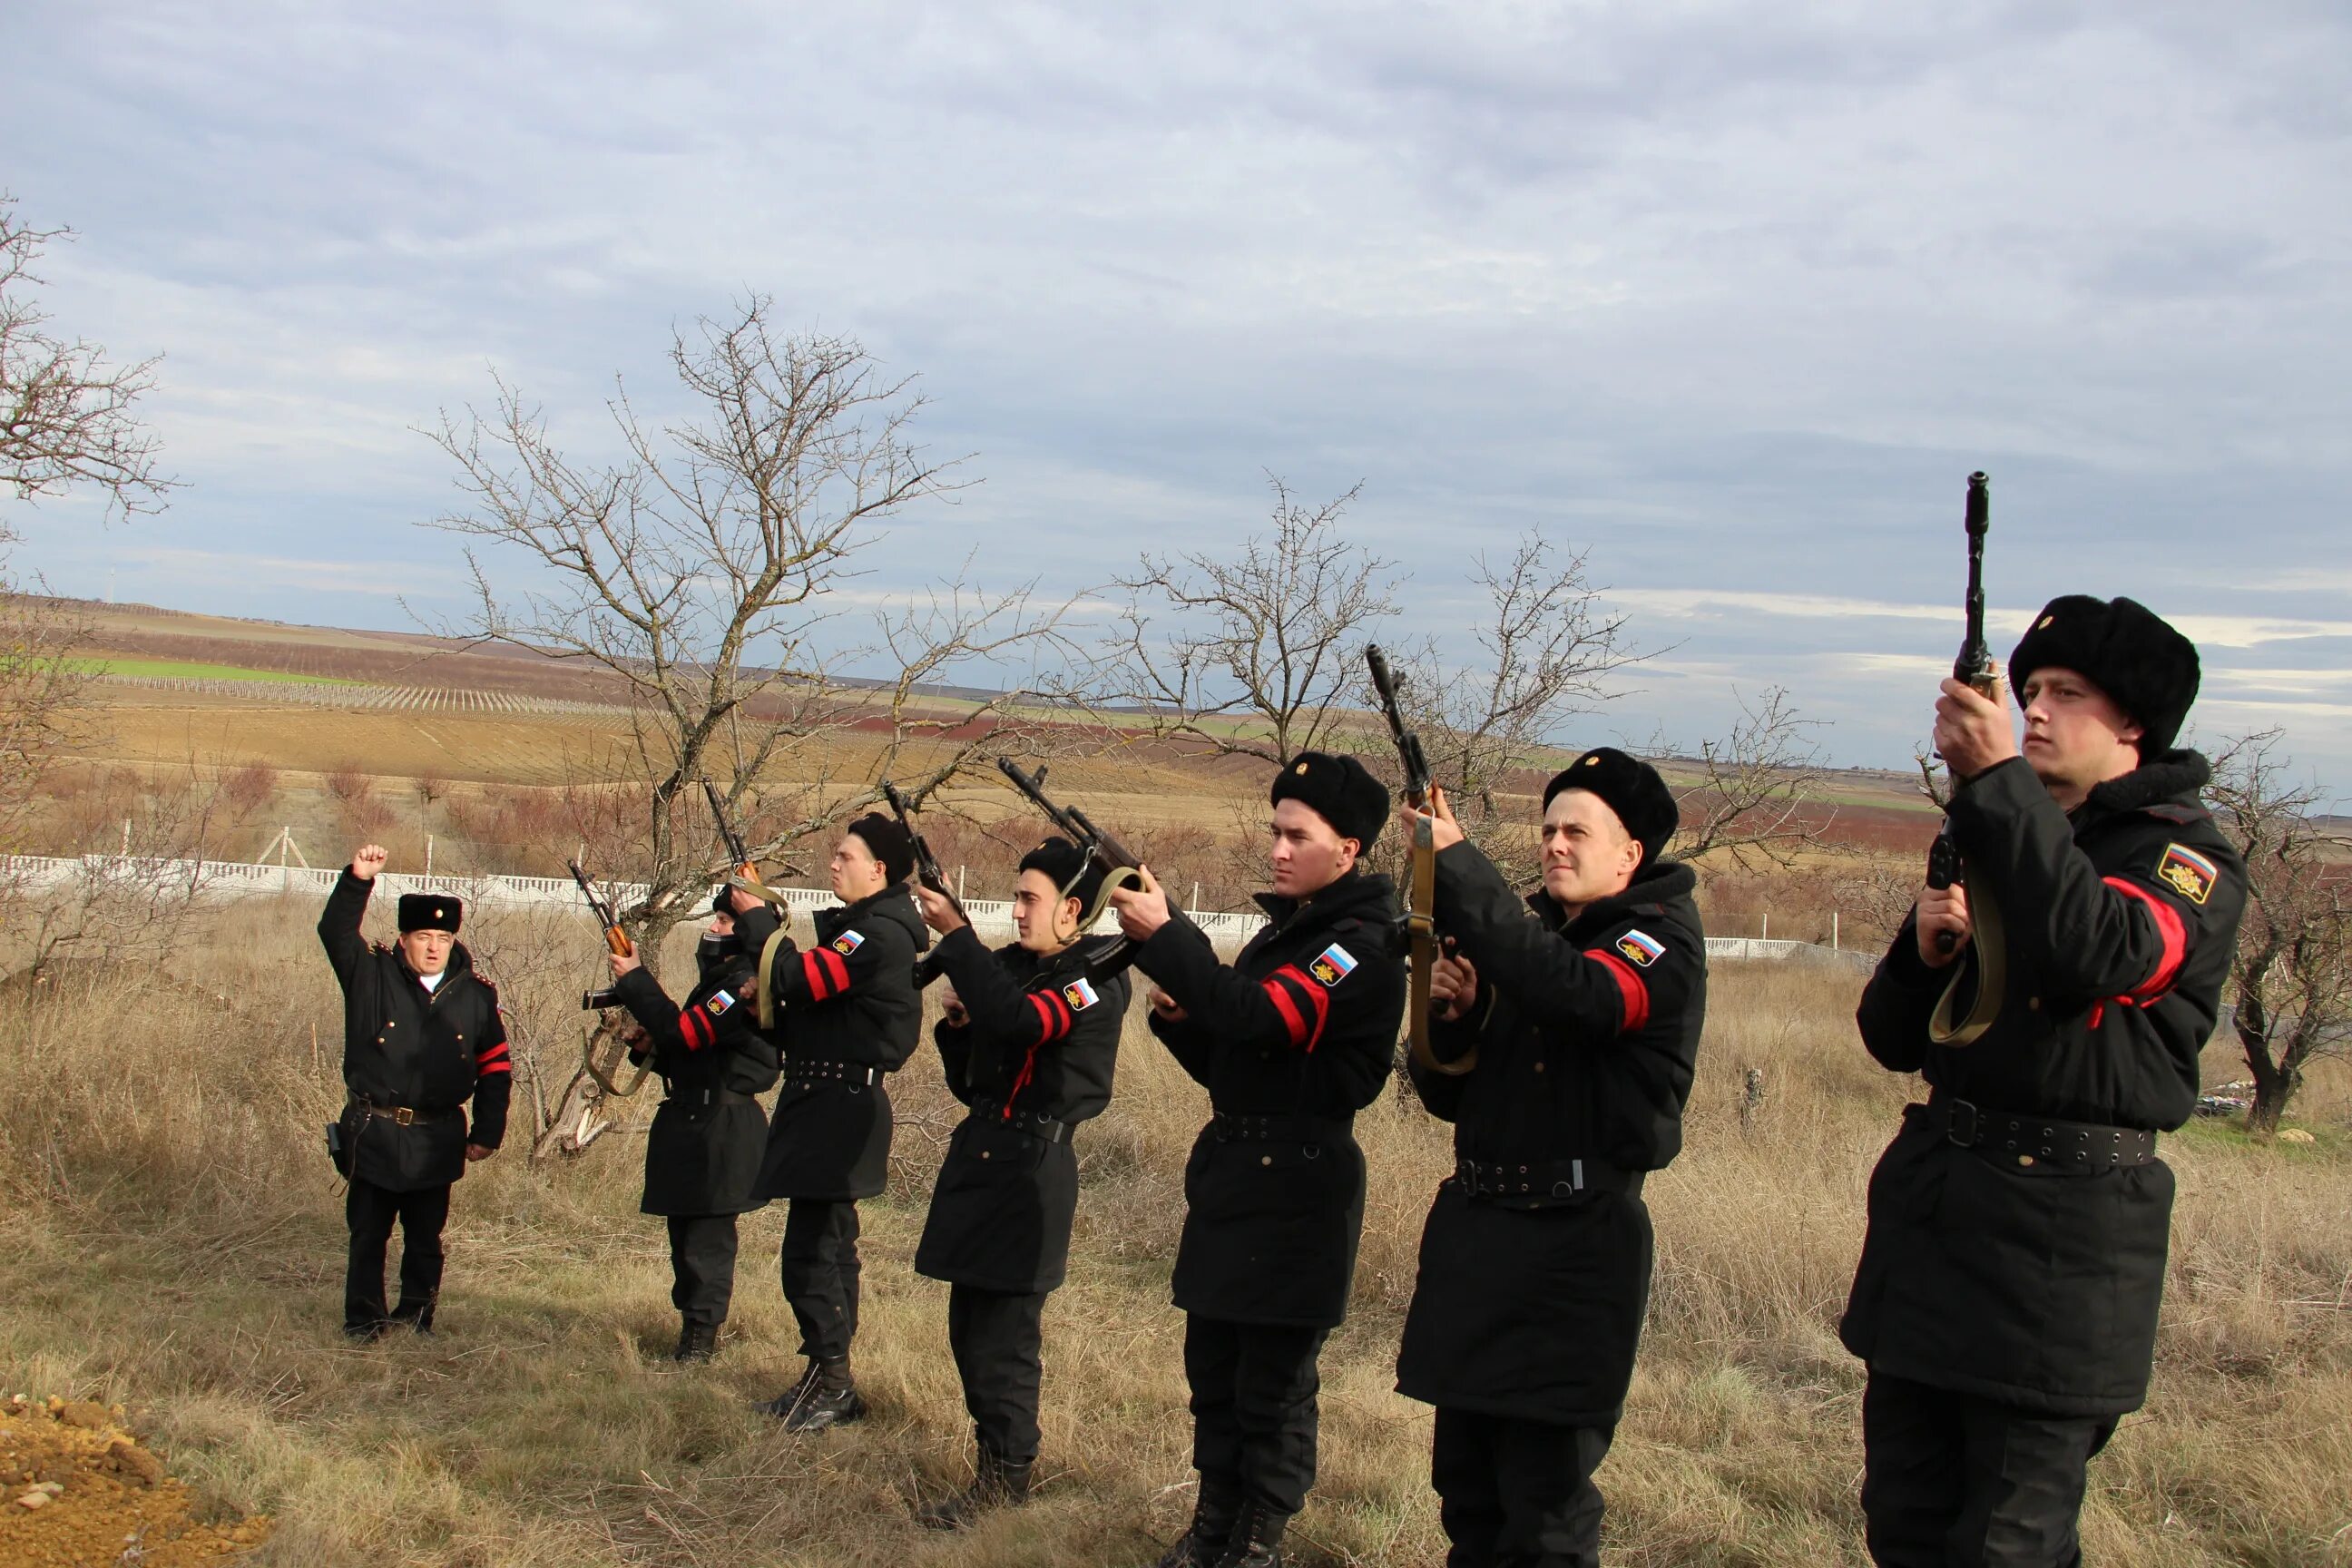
(695,1342)
(824,1396)
(996,1483)
(1204,1542)
(1256,1539)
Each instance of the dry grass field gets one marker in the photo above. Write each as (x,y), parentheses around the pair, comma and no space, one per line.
(171,1236)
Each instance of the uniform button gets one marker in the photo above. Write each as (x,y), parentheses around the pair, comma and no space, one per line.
(2034,1003)
(1265,1159)
(984,1154)
(2025,1158)
(378,1039)
(1539,1067)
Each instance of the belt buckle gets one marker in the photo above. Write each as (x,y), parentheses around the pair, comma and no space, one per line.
(1963,1113)
(403,1116)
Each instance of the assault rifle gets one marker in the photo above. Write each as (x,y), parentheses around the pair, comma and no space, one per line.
(617,942)
(1119,867)
(1974,667)
(740,857)
(1420,793)
(927,865)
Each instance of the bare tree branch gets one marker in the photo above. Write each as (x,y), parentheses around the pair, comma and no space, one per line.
(1757,797)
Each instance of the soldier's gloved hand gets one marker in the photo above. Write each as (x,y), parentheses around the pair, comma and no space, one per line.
(1453,985)
(368,859)
(951,1008)
(1165,1006)
(1942,910)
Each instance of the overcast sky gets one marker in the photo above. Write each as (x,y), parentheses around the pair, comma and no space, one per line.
(1736,296)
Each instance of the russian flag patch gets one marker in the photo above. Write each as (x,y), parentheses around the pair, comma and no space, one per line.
(1080,995)
(1640,949)
(1332,965)
(720,1002)
(2187,873)
(847,942)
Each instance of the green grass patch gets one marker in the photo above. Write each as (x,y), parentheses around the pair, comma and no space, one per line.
(189,669)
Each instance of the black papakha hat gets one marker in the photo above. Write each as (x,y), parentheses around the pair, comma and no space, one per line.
(1628,786)
(430,911)
(2125,649)
(1077,874)
(1340,791)
(889,843)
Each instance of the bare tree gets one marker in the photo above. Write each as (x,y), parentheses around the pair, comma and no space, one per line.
(68,419)
(1262,655)
(703,569)
(2293,971)
(1757,799)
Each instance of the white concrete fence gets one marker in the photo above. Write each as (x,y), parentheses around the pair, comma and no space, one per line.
(989,917)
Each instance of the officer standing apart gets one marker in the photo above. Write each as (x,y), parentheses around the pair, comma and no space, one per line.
(1535,1262)
(2006,1301)
(1291,1039)
(848,1012)
(1028,1040)
(422,1035)
(702,1153)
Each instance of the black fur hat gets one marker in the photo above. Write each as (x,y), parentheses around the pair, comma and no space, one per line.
(430,911)
(1630,787)
(2125,649)
(1068,868)
(1340,791)
(889,843)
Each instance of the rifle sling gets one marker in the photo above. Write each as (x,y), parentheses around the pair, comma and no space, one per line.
(767,971)
(1989,942)
(1421,933)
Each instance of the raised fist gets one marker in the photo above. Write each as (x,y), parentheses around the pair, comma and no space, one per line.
(368,859)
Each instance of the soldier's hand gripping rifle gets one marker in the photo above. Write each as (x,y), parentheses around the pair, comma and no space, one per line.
(1974,667)
(1420,918)
(617,942)
(1119,867)
(927,865)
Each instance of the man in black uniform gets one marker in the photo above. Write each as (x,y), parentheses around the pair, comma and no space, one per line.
(1535,1263)
(1291,1039)
(1028,1040)
(2006,1301)
(703,1151)
(422,1035)
(848,1013)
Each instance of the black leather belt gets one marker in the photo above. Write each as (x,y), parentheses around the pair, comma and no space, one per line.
(401,1115)
(1278,1129)
(1545,1178)
(2039,1142)
(707,1097)
(1034,1123)
(801,1072)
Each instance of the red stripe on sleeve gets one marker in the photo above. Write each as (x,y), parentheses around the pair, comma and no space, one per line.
(838,967)
(1293,1020)
(1063,1019)
(1630,989)
(1318,995)
(820,983)
(497,1053)
(1045,1010)
(695,1027)
(2169,931)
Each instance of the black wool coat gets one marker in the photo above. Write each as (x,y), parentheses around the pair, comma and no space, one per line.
(1039,1050)
(703,1151)
(848,1006)
(409,1049)
(1587,1031)
(1291,1039)
(2031,1283)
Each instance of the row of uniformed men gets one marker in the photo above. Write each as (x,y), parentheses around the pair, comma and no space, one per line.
(1993,1376)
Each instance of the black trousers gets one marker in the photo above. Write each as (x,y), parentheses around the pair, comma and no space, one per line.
(996,1338)
(1518,1494)
(1953,1480)
(1254,1387)
(702,1266)
(819,1264)
(370,1211)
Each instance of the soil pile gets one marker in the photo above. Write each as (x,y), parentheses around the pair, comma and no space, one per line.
(78,1491)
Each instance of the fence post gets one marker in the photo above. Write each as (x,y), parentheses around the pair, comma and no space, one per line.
(1767,934)
(1833,931)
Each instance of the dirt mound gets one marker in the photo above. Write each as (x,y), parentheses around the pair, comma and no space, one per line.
(77,1490)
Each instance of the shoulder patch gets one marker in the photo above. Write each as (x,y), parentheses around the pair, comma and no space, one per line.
(1332,965)
(718,1003)
(1080,995)
(1640,949)
(847,942)
(2187,873)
